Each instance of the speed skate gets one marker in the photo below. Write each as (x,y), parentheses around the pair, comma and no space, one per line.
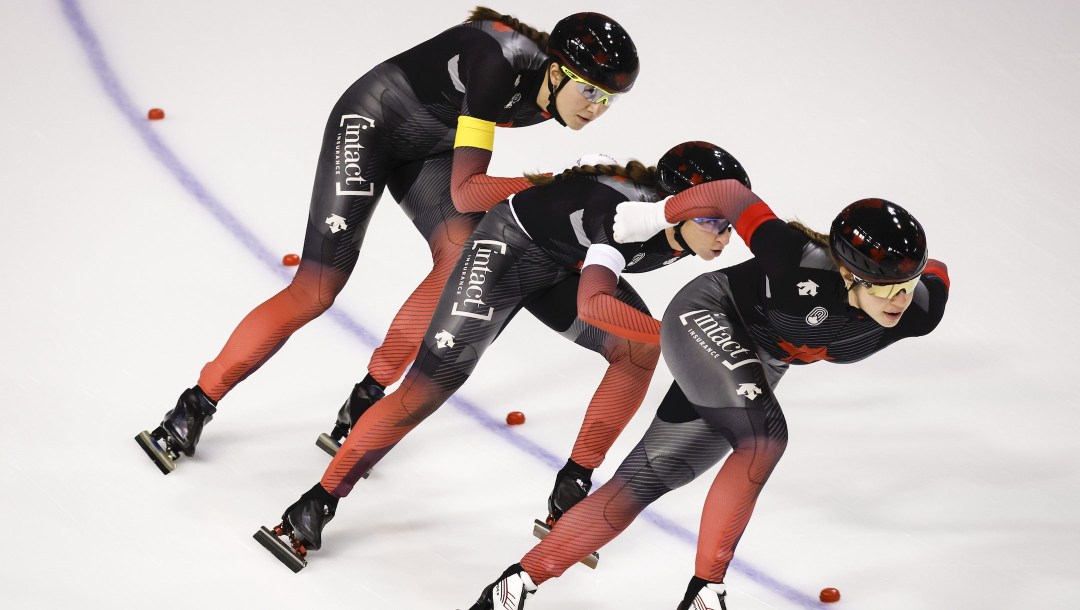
(541,530)
(159,448)
(293,555)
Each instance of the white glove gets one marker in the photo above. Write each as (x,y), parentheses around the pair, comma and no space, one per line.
(639,220)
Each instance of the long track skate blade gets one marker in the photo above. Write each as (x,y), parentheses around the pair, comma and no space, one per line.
(160,459)
(282,551)
(327,444)
(541,530)
(331,446)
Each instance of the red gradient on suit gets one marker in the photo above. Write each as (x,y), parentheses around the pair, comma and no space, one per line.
(598,306)
(616,400)
(397,351)
(470,186)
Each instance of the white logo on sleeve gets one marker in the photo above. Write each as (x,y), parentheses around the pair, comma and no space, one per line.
(749,390)
(444,339)
(808,288)
(452,69)
(337,223)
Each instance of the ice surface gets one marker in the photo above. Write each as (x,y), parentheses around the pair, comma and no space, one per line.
(938,474)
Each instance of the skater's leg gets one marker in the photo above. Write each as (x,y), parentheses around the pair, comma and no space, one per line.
(617,398)
(267,327)
(674,450)
(757,447)
(349,178)
(505,268)
(731,387)
(423,190)
(342,202)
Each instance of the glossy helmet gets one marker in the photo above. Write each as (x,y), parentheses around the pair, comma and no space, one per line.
(693,163)
(879,241)
(597,49)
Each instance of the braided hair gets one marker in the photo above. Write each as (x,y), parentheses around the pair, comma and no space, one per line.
(483,13)
(635,171)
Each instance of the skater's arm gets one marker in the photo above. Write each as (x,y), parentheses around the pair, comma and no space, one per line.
(729,199)
(597,304)
(489,81)
(470,187)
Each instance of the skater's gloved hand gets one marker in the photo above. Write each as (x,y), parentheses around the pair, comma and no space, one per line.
(639,220)
(572,484)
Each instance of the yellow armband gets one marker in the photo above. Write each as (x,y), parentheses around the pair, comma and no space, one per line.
(475,132)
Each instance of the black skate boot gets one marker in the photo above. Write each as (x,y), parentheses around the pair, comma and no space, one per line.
(704,595)
(302,523)
(508,592)
(179,432)
(364,394)
(572,484)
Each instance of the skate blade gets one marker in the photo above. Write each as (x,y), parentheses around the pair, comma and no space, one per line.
(282,551)
(327,444)
(541,530)
(160,459)
(331,446)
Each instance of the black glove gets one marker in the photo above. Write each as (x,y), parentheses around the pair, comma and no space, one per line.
(572,484)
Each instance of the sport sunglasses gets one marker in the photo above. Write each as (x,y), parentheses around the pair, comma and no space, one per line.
(713,225)
(888,291)
(592,93)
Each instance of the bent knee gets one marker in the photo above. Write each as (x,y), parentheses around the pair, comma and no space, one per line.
(315,287)
(765,454)
(311,298)
(640,355)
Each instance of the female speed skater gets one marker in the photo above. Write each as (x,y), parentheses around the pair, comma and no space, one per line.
(422,124)
(552,248)
(728,336)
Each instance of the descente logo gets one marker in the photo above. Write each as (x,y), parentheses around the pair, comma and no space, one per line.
(347,156)
(471,285)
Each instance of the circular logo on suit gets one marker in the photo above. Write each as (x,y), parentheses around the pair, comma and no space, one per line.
(816,316)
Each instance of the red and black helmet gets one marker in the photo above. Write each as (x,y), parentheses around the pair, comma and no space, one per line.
(693,163)
(879,241)
(596,48)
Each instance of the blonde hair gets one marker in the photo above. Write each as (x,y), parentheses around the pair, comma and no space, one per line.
(483,13)
(635,171)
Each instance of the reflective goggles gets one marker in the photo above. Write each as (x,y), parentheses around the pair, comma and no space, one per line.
(713,225)
(888,291)
(589,91)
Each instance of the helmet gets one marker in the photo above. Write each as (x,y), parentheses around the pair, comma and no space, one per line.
(693,163)
(597,49)
(879,241)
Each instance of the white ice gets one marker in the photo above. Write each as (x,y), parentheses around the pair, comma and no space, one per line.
(941,473)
